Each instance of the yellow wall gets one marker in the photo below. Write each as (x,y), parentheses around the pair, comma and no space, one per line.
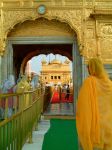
(89,20)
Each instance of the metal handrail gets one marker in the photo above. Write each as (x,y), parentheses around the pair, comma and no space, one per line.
(17,128)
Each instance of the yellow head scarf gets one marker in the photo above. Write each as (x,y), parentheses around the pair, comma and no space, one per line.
(95,68)
(94,107)
(23,85)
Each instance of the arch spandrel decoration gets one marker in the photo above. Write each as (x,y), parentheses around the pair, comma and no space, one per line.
(71,17)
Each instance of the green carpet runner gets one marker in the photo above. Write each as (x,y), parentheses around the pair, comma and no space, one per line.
(62,135)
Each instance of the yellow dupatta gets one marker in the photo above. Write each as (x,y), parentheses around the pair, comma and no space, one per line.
(24,86)
(94,108)
(87,116)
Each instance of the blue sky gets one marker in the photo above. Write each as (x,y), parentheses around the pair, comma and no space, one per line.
(36,61)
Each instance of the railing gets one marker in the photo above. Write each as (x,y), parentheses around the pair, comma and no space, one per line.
(26,111)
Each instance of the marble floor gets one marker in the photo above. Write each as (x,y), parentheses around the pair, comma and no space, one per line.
(38,136)
(64,109)
(60,109)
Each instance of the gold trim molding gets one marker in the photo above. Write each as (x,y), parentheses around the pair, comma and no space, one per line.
(71,17)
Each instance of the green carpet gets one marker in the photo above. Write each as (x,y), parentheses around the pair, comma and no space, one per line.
(62,135)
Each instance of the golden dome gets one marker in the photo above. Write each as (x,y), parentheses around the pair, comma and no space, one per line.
(55,61)
(43,61)
(67,61)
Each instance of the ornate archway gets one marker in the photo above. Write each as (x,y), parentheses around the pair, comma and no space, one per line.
(38,30)
(58,35)
(24,44)
(71,17)
(64,50)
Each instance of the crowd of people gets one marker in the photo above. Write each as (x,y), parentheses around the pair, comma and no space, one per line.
(65,89)
(10,86)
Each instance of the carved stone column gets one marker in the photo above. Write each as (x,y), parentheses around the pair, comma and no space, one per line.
(4,68)
(2,47)
(10,59)
(0,69)
(84,69)
(103,27)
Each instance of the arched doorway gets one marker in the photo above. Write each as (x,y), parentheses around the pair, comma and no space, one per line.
(42,36)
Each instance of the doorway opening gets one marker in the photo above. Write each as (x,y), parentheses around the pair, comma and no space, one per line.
(53,72)
(50,50)
(23,49)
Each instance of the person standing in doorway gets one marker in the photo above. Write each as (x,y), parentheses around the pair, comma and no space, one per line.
(60,91)
(67,93)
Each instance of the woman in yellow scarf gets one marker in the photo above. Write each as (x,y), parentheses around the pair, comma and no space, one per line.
(24,86)
(94,109)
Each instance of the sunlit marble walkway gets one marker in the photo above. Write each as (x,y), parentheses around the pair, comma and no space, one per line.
(60,109)
(60,106)
(38,136)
